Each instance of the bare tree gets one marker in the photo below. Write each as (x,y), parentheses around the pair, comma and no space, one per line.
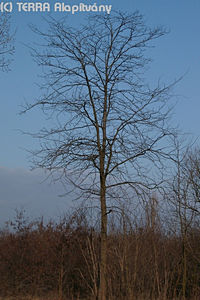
(183,197)
(112,127)
(191,173)
(6,42)
(186,183)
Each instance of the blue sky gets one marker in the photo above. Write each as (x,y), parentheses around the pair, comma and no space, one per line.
(175,54)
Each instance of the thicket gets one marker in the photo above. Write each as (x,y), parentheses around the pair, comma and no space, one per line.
(60,260)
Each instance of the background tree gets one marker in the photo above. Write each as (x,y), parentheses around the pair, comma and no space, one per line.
(183,199)
(6,42)
(111,127)
(191,173)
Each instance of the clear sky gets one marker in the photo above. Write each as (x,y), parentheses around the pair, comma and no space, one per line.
(175,54)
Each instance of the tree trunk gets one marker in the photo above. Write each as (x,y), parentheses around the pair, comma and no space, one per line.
(103,245)
(184,279)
